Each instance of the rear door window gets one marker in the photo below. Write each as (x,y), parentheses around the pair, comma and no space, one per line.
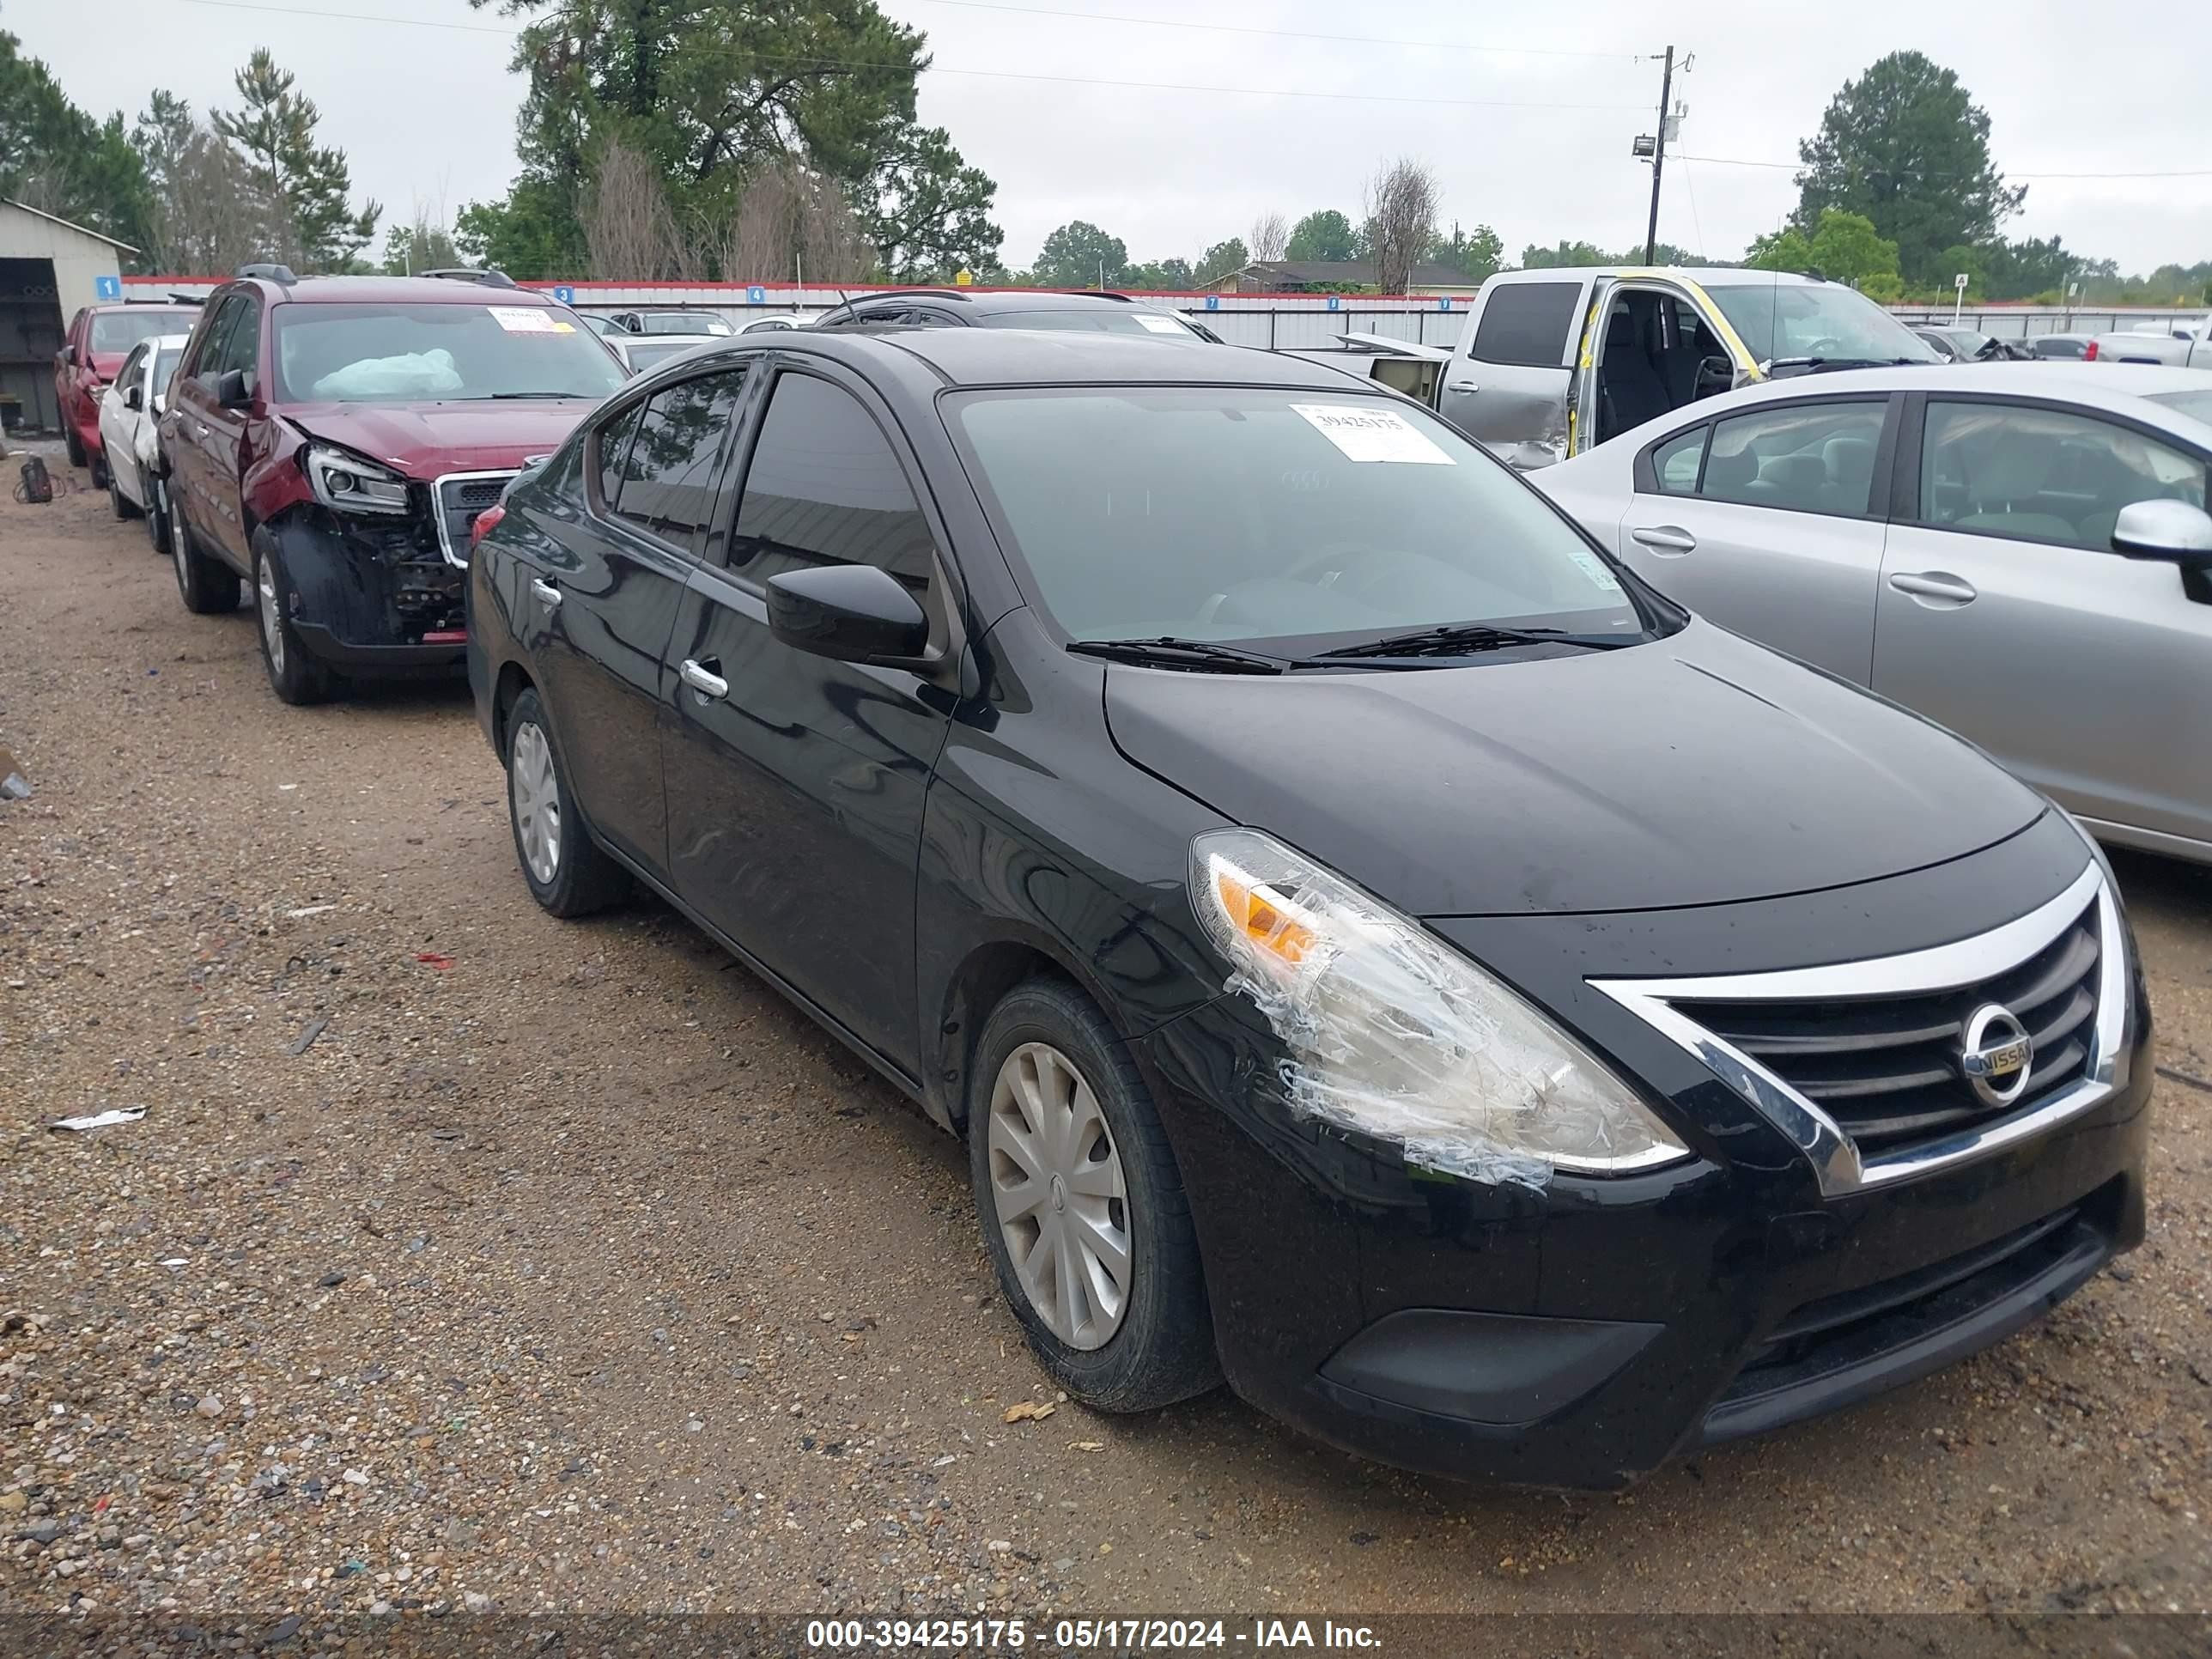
(1527,323)
(824,487)
(1809,458)
(667,481)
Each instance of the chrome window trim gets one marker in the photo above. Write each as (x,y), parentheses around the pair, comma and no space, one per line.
(1835,1157)
(438,506)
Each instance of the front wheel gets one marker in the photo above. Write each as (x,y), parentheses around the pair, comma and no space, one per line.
(1082,1205)
(570,874)
(295,677)
(118,502)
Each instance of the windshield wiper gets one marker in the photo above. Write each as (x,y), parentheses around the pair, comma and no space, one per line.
(1818,363)
(1476,636)
(1168,652)
(493,397)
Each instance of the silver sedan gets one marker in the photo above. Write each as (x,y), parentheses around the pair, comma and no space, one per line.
(2020,551)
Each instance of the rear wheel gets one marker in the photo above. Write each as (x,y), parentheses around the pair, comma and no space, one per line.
(1083,1207)
(157,514)
(568,873)
(207,586)
(295,677)
(71,442)
(117,500)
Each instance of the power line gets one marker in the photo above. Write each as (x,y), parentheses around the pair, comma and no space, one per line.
(1792,167)
(940,69)
(1280,35)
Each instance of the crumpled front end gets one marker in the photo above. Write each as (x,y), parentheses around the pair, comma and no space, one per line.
(369,591)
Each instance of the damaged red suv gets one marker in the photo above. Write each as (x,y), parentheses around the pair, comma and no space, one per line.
(331,440)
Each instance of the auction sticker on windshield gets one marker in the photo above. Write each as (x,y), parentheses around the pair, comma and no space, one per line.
(528,319)
(1156,324)
(1372,435)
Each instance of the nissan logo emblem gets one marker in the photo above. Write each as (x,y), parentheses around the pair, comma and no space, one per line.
(1999,1055)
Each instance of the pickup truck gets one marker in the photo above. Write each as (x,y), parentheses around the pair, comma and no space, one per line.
(1553,362)
(2185,346)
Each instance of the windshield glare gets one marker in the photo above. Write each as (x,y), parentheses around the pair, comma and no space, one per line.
(683,322)
(119,330)
(1225,513)
(2197,405)
(436,354)
(1793,320)
(1133,321)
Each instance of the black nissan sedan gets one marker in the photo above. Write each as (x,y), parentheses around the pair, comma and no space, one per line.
(1376,951)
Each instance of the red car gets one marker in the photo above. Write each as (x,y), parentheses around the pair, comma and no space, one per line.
(331,440)
(100,338)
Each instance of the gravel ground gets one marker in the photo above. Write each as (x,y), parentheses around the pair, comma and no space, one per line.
(464,1257)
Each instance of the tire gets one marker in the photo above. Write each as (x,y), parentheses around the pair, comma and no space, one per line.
(295,676)
(117,500)
(570,874)
(157,515)
(1157,1346)
(208,586)
(72,443)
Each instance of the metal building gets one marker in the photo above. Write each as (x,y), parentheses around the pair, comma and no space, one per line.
(49,268)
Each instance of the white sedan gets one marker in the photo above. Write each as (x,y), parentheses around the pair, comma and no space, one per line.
(129,407)
(2018,551)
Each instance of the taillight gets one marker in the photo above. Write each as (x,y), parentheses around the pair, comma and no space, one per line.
(485,520)
(2089,352)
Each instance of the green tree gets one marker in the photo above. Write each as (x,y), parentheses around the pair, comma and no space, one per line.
(1172,275)
(1846,249)
(63,160)
(717,92)
(1221,258)
(1474,254)
(531,234)
(1959,260)
(412,249)
(276,129)
(1327,234)
(1563,254)
(1080,255)
(1905,147)
(1786,249)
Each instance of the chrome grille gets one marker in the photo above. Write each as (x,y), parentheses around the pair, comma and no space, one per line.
(460,498)
(1887,1069)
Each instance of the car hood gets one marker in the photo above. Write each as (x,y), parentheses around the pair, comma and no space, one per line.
(423,440)
(1696,770)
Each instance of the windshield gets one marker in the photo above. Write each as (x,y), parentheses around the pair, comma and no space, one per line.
(1119,320)
(1229,514)
(119,330)
(165,367)
(436,354)
(2197,405)
(1795,320)
(683,322)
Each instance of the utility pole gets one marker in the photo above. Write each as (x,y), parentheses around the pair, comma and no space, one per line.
(1659,158)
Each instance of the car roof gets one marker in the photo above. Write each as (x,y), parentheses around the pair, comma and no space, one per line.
(1001,299)
(1704,276)
(145,307)
(396,290)
(2119,388)
(1012,356)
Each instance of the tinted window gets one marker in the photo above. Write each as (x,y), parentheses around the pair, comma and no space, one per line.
(1236,513)
(215,342)
(2058,348)
(1125,319)
(119,330)
(824,487)
(611,444)
(1816,458)
(132,365)
(1527,323)
(2042,474)
(667,480)
(1676,462)
(242,349)
(643,356)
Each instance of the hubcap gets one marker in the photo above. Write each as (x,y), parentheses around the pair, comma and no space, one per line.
(272,631)
(177,548)
(1062,1204)
(536,800)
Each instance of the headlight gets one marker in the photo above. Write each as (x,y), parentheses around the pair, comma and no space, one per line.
(1395,1034)
(347,483)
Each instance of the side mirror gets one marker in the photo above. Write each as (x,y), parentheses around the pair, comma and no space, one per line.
(134,398)
(853,612)
(2172,530)
(69,355)
(231,391)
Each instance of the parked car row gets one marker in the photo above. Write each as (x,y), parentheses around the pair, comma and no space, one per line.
(1379,947)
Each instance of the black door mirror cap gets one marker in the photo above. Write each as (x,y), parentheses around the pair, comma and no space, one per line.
(134,398)
(851,613)
(231,391)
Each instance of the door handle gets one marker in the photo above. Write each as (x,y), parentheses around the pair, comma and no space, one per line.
(548,595)
(712,687)
(203,428)
(1938,585)
(1670,541)
(1461,385)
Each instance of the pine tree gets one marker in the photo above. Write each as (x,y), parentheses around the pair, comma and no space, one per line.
(276,131)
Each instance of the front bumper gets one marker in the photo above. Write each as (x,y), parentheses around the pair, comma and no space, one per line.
(372,596)
(1580,1335)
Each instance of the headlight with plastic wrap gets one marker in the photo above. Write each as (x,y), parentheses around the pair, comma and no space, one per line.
(1395,1034)
(347,483)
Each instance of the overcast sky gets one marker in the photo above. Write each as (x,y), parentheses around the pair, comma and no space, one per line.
(427,115)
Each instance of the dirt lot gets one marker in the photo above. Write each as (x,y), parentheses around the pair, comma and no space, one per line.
(568,1267)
